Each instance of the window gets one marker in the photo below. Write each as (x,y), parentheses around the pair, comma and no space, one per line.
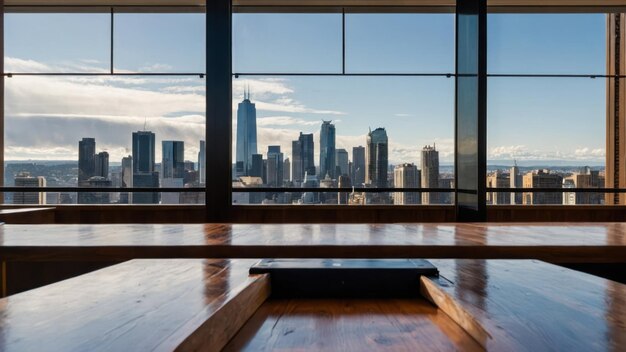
(135,122)
(361,115)
(546,107)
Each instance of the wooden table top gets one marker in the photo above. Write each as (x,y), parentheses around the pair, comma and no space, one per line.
(528,305)
(355,325)
(510,305)
(551,242)
(140,305)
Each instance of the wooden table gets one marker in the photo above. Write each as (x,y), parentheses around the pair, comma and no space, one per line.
(579,243)
(505,305)
(192,304)
(140,305)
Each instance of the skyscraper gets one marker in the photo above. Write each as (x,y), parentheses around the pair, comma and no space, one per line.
(173,159)
(202,162)
(344,182)
(257,166)
(327,150)
(274,166)
(377,158)
(24,179)
(127,179)
(302,157)
(246,136)
(358,166)
(86,160)
(406,176)
(143,151)
(341,158)
(515,181)
(102,165)
(143,167)
(430,174)
(286,170)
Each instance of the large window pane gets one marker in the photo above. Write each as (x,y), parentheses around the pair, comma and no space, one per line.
(47,117)
(414,112)
(399,43)
(44,42)
(280,43)
(551,128)
(160,43)
(547,43)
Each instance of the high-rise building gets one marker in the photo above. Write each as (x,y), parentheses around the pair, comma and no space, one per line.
(173,159)
(102,165)
(344,182)
(406,176)
(257,166)
(143,152)
(246,136)
(302,155)
(97,197)
(515,181)
(586,178)
(498,179)
(377,158)
(430,174)
(358,166)
(542,179)
(144,174)
(286,170)
(24,179)
(202,162)
(274,166)
(171,197)
(86,159)
(127,179)
(146,180)
(341,157)
(327,150)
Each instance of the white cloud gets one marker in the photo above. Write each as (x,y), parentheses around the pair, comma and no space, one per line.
(522,152)
(284,121)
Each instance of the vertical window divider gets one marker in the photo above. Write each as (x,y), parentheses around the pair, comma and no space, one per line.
(343,40)
(112,38)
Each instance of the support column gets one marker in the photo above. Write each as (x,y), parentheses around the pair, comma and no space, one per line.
(218,110)
(471,110)
(1,99)
(615,108)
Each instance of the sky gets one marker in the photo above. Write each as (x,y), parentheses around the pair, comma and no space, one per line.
(539,119)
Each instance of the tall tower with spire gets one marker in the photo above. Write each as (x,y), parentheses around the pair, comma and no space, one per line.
(246,135)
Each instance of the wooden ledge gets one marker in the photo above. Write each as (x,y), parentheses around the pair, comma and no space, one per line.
(528,305)
(156,305)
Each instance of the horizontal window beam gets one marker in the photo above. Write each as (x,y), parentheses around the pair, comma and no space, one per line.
(339,190)
(556,190)
(18,189)
(101,190)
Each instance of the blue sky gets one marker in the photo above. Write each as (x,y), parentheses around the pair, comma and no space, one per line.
(529,118)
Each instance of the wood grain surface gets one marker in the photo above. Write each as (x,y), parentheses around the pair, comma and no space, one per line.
(527,305)
(351,325)
(580,243)
(140,305)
